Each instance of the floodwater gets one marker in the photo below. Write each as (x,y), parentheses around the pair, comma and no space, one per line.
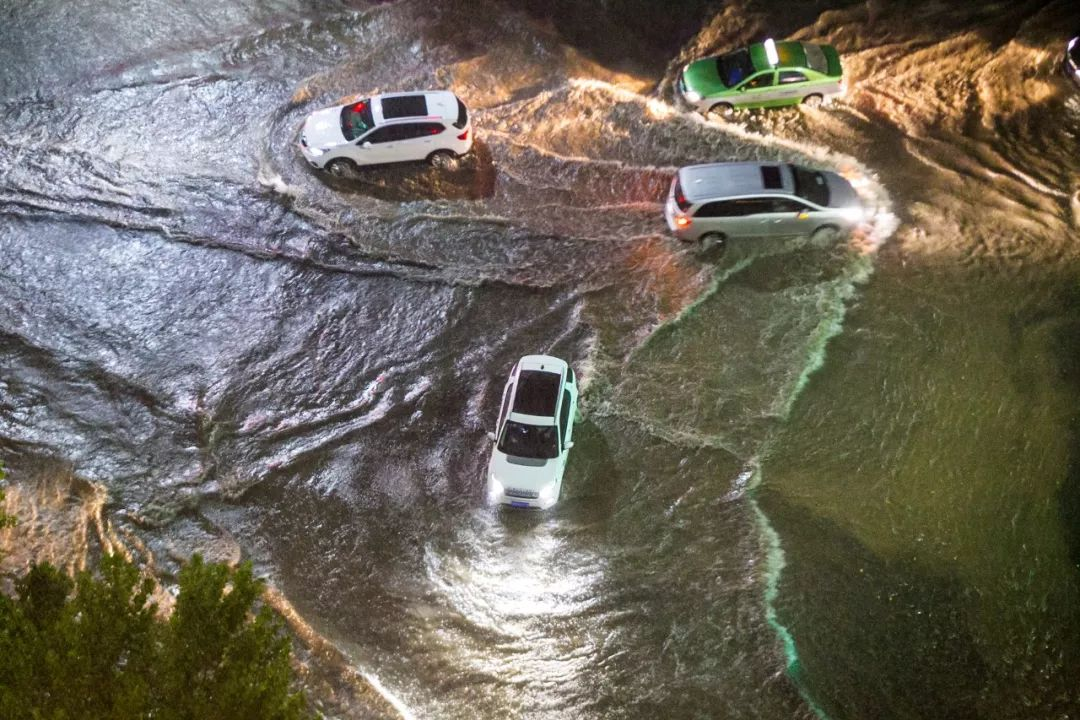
(808,481)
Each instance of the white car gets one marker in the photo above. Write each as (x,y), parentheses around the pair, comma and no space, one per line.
(534,433)
(710,203)
(389,128)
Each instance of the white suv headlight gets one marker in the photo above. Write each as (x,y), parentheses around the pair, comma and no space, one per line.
(495,488)
(548,492)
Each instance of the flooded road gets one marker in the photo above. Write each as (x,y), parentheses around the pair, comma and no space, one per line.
(807,481)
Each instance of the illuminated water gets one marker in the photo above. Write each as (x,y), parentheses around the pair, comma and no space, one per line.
(807,481)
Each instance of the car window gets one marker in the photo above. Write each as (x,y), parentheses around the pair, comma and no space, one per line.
(462,116)
(404,106)
(564,416)
(760,81)
(529,441)
(810,185)
(791,76)
(537,393)
(356,119)
(787,205)
(381,135)
(410,131)
(734,67)
(734,208)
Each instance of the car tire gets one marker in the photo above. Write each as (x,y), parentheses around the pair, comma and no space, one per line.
(713,242)
(825,235)
(813,101)
(443,160)
(721,110)
(340,167)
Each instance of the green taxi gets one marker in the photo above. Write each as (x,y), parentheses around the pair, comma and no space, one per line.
(765,74)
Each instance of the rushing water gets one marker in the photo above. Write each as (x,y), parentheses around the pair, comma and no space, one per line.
(807,481)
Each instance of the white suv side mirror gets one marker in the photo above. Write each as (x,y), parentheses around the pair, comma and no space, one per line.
(491,436)
(569,444)
(366,144)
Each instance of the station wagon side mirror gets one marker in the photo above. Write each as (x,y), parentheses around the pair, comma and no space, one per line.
(491,436)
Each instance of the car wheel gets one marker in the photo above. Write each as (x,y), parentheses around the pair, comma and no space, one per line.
(813,101)
(721,110)
(713,242)
(443,160)
(825,235)
(340,167)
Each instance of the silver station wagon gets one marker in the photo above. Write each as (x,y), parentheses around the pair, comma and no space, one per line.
(711,203)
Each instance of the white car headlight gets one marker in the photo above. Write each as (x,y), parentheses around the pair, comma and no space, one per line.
(315,152)
(692,95)
(495,488)
(548,492)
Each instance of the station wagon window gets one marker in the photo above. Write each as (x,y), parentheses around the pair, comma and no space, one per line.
(810,185)
(735,208)
(564,416)
(760,81)
(787,205)
(788,77)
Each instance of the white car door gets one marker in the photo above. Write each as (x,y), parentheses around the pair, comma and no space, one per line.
(378,146)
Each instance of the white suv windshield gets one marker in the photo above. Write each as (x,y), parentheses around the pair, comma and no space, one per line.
(529,441)
(356,119)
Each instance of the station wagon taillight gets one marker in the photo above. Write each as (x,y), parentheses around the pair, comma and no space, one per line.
(463,136)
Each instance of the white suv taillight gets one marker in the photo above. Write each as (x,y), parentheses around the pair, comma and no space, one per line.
(463,136)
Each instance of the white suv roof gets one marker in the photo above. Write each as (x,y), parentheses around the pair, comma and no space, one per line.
(723,180)
(435,104)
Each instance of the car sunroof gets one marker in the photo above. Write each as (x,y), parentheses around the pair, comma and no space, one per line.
(404,106)
(537,393)
(770,175)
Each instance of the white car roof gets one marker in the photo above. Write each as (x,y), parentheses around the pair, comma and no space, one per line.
(723,180)
(440,104)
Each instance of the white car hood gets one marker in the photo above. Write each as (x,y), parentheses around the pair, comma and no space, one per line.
(515,474)
(323,128)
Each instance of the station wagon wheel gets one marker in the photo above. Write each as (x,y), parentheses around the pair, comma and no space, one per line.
(813,101)
(722,109)
(340,167)
(825,235)
(713,242)
(443,160)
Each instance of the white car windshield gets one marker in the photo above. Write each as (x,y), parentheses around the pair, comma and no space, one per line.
(356,119)
(529,441)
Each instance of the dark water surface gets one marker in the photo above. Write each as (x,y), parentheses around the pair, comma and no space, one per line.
(807,481)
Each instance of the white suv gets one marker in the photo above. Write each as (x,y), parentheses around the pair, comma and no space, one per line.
(395,127)
(534,433)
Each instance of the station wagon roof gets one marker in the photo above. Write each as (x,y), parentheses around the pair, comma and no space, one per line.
(722,180)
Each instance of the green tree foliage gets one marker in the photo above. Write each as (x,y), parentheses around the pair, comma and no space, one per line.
(95,649)
(5,519)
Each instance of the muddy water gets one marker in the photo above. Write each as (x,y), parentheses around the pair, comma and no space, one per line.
(835,481)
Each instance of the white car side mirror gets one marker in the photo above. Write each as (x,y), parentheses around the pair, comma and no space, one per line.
(569,444)
(366,144)
(491,436)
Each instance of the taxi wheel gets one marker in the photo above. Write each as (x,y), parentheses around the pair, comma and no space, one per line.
(443,160)
(813,100)
(723,110)
(713,242)
(340,167)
